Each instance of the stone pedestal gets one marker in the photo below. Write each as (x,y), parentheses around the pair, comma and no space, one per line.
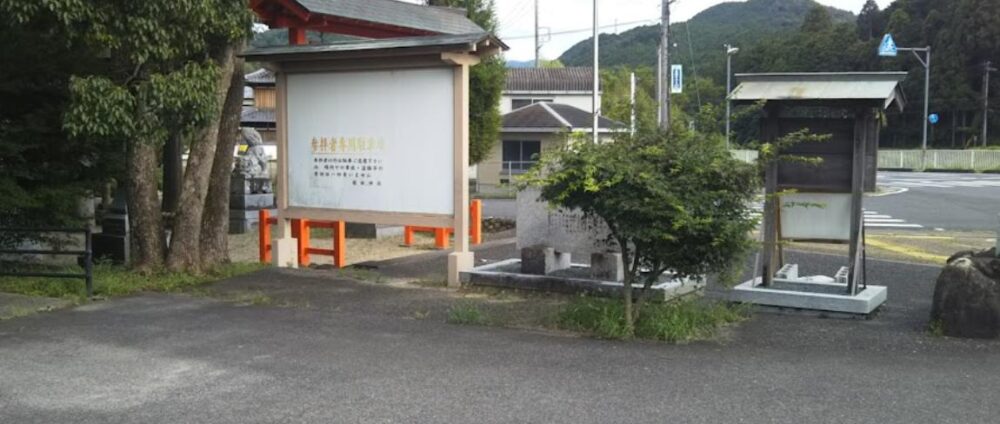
(113,242)
(543,260)
(607,267)
(247,197)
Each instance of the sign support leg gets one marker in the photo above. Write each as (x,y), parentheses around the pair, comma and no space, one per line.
(461,259)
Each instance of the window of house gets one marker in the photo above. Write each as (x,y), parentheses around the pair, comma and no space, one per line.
(520,155)
(519,103)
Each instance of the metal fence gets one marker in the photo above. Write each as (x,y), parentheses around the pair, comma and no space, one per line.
(86,256)
(943,160)
(955,160)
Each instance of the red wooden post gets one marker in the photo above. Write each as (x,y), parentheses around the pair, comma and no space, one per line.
(441,238)
(408,235)
(476,221)
(339,244)
(264,236)
(303,242)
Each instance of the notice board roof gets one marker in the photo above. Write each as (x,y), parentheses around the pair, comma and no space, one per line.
(365,18)
(882,87)
(483,44)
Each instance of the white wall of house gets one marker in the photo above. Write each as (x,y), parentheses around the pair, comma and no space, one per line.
(578,99)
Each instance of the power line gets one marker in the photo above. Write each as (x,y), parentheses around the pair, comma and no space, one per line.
(574,31)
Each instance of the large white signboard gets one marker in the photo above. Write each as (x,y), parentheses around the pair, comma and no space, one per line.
(372,141)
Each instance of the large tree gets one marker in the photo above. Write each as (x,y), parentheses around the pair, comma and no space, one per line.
(486,81)
(169,67)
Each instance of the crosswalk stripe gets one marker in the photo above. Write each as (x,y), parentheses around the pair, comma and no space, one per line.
(875,224)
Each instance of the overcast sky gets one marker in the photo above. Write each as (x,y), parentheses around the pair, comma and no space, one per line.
(570,20)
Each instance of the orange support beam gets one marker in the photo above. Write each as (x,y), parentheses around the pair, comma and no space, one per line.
(408,235)
(476,222)
(264,236)
(339,250)
(300,231)
(441,235)
(303,240)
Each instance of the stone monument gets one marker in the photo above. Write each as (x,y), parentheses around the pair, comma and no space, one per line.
(250,185)
(547,238)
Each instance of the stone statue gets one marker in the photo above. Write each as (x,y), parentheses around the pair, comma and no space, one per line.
(253,163)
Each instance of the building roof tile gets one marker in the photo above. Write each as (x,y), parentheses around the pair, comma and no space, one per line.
(549,79)
(438,20)
(551,117)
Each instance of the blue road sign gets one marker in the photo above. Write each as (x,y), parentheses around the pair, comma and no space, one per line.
(933,118)
(887,47)
(676,79)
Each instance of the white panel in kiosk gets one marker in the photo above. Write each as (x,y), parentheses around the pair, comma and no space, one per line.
(816,216)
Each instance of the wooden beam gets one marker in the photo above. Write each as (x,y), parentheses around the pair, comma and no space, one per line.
(460,58)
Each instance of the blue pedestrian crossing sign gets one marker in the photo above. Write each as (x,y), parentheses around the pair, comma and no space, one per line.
(676,79)
(933,118)
(887,47)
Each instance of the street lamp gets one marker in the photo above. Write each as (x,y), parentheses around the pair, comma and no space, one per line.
(888,48)
(730,51)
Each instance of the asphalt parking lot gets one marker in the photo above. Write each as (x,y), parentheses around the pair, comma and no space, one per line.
(344,351)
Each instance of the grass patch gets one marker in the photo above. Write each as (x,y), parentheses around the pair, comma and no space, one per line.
(674,322)
(466,313)
(255,298)
(111,280)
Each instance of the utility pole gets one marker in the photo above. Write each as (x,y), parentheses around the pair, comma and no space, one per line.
(538,46)
(926,61)
(632,103)
(730,51)
(988,68)
(596,106)
(664,65)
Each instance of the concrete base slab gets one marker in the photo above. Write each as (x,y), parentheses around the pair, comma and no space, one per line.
(818,293)
(504,274)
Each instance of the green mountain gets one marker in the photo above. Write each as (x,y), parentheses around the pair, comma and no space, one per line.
(703,36)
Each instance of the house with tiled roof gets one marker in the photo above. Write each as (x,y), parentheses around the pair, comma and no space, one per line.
(540,107)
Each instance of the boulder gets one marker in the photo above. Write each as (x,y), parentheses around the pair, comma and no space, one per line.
(967,295)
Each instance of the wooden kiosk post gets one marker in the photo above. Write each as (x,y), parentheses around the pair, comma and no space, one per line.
(815,191)
(376,131)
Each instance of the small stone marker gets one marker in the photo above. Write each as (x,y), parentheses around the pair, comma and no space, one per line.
(543,260)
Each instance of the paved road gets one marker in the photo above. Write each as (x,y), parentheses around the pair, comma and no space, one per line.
(356,354)
(931,200)
(940,200)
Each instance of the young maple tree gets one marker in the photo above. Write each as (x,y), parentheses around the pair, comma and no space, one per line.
(673,202)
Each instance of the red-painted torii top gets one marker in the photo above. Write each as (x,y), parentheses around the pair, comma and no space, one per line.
(362,18)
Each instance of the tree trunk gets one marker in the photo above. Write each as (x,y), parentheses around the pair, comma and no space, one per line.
(214,242)
(184,241)
(145,220)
